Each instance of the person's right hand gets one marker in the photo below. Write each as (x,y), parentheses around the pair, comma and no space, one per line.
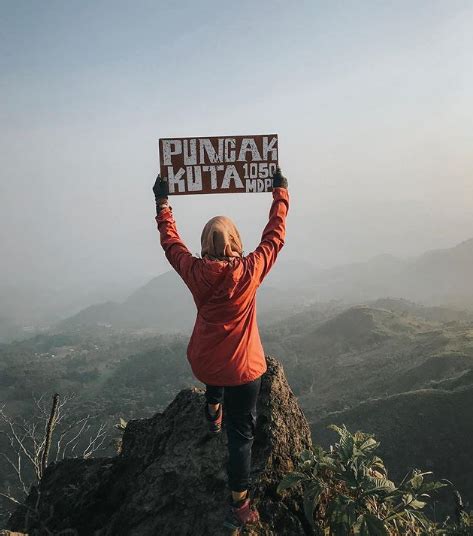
(161,189)
(279,181)
(161,192)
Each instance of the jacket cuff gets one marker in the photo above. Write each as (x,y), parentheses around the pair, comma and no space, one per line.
(281,193)
(164,214)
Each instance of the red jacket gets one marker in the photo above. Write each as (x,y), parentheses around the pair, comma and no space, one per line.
(225,347)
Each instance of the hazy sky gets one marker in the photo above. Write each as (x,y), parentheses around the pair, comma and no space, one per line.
(371,101)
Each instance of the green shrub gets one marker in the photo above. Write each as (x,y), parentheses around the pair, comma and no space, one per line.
(346,491)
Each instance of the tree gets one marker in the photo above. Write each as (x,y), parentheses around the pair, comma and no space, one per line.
(52,434)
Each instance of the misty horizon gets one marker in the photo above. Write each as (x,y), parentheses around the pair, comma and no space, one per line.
(371,105)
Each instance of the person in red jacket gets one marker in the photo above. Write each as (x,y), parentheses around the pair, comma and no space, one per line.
(225,350)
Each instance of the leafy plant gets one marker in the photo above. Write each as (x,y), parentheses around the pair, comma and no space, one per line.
(118,441)
(464,527)
(346,491)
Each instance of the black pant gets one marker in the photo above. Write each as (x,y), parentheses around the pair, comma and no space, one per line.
(239,403)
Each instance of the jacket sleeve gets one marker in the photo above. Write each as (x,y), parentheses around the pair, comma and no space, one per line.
(274,234)
(178,255)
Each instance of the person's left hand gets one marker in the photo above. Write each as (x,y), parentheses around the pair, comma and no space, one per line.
(279,180)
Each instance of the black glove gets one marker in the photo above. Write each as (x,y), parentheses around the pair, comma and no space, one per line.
(279,181)
(161,188)
(161,191)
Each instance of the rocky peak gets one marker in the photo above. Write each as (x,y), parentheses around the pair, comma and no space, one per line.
(170,479)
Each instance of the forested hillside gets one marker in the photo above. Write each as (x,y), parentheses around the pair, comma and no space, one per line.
(397,369)
(404,373)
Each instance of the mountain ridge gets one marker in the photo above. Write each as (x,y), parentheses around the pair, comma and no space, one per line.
(434,278)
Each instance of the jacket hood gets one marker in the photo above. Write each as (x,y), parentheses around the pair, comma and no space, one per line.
(222,276)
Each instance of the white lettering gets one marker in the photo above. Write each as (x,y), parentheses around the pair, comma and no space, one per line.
(230,153)
(168,152)
(174,179)
(194,180)
(207,147)
(213,174)
(190,152)
(248,145)
(250,185)
(231,173)
(270,148)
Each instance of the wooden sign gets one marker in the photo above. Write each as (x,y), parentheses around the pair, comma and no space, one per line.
(217,165)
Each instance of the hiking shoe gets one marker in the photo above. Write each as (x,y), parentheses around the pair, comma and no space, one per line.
(241,515)
(214,421)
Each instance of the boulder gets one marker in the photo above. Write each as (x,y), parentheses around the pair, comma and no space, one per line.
(170,478)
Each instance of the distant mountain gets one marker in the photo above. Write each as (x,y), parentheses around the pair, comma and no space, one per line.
(429,429)
(434,313)
(357,282)
(356,329)
(9,330)
(440,277)
(166,305)
(29,308)
(366,351)
(396,369)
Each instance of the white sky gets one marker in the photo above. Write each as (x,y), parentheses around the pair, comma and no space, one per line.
(371,101)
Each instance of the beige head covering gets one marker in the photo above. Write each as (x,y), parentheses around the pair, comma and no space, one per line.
(220,238)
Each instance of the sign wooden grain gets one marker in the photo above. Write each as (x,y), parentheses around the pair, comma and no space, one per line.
(220,164)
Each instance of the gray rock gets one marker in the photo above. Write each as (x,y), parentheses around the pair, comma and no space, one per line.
(170,477)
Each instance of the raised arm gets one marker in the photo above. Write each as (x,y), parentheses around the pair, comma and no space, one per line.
(274,233)
(176,252)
